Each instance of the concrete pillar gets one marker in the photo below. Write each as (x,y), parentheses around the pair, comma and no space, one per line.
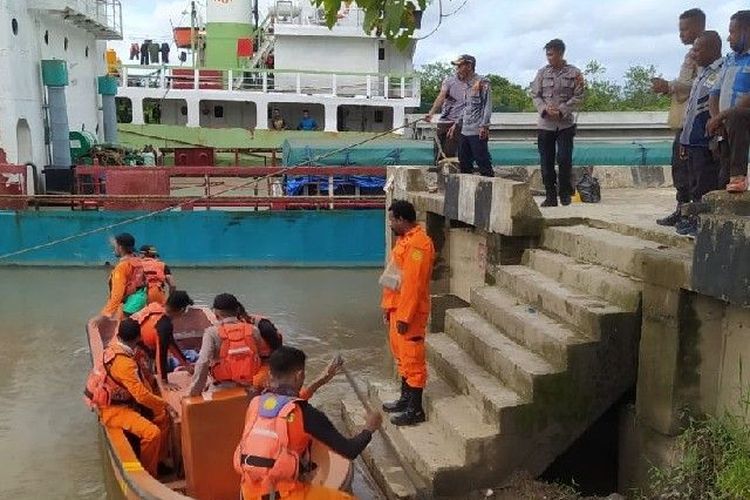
(137,111)
(399,114)
(261,113)
(107,87)
(193,113)
(331,124)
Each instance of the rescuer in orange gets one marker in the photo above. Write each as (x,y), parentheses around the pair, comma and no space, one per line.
(157,330)
(273,454)
(116,387)
(406,308)
(229,350)
(158,275)
(127,283)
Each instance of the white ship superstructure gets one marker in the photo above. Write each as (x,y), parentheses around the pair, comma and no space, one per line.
(348,80)
(32,31)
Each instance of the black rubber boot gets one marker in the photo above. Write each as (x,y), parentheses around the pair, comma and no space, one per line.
(414,413)
(401,403)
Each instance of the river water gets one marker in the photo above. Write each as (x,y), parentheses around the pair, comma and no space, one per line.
(48,441)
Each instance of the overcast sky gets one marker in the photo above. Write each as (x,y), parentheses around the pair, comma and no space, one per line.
(507,36)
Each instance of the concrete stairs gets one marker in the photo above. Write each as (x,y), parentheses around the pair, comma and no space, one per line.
(519,375)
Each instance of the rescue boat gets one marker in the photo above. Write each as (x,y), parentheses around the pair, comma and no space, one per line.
(203,435)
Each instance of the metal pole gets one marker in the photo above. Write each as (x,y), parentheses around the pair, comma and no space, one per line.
(192,31)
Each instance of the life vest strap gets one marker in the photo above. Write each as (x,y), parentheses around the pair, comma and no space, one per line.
(255,461)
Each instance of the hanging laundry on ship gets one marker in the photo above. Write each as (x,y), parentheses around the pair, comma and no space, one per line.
(164,50)
(157,330)
(144,52)
(117,385)
(127,282)
(273,455)
(158,275)
(153,52)
(135,51)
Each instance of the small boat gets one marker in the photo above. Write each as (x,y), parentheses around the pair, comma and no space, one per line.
(204,435)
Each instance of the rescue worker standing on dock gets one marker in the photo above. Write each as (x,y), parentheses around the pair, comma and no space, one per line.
(229,350)
(273,454)
(116,388)
(158,275)
(127,283)
(406,308)
(557,92)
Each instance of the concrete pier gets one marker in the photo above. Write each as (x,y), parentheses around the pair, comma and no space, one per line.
(542,320)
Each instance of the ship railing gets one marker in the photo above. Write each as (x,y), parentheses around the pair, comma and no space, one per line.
(155,188)
(284,12)
(101,17)
(339,84)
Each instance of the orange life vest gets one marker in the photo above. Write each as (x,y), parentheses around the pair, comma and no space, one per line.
(136,278)
(147,318)
(101,389)
(238,355)
(264,350)
(154,269)
(274,449)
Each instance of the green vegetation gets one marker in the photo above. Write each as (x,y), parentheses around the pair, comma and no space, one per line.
(601,94)
(394,19)
(714,460)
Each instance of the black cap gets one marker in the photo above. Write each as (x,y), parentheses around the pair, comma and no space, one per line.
(226,302)
(149,249)
(125,240)
(465,58)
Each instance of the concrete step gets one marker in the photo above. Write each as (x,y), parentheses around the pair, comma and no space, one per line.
(519,369)
(424,449)
(588,278)
(382,462)
(526,325)
(496,401)
(598,246)
(458,416)
(591,315)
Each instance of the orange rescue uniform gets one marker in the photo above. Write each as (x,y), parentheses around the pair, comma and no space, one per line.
(156,277)
(413,255)
(151,432)
(118,282)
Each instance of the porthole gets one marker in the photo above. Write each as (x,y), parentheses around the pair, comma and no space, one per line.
(14,26)
(46,37)
(65,43)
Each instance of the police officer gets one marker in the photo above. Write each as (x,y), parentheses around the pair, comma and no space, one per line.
(557,91)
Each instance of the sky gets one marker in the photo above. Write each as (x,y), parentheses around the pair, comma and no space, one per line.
(507,36)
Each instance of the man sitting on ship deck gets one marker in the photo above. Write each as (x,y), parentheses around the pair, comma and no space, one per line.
(127,283)
(273,454)
(117,389)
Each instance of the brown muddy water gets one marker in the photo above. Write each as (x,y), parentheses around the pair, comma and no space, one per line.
(49,445)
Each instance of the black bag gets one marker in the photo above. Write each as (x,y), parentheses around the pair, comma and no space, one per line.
(589,189)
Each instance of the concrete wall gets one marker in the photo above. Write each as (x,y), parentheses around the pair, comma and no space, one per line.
(21,90)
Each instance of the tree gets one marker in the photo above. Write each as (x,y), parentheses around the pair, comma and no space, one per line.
(394,19)
(508,96)
(601,94)
(637,93)
(431,78)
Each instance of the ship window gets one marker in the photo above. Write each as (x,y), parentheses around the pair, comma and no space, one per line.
(46,37)
(379,115)
(183,110)
(218,111)
(65,43)
(381,54)
(14,26)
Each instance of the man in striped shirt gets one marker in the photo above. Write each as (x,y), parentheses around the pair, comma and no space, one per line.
(729,105)
(703,169)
